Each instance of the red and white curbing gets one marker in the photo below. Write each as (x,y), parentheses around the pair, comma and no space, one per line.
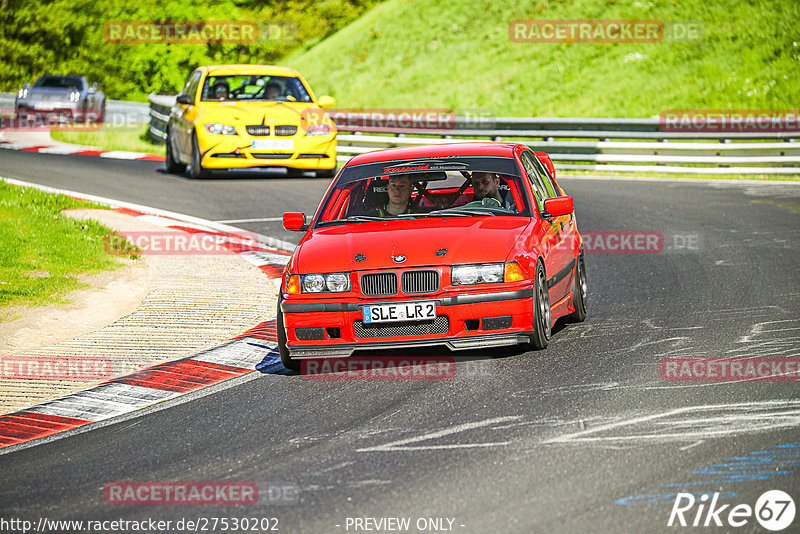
(35,144)
(233,358)
(80,151)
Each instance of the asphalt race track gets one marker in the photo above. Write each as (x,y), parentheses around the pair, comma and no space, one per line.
(584,436)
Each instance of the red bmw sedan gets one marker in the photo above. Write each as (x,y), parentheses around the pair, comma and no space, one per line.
(466,245)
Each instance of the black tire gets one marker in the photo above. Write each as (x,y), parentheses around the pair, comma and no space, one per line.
(196,170)
(328,173)
(286,360)
(173,165)
(541,310)
(579,292)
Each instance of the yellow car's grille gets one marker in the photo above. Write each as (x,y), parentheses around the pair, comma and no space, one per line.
(257,129)
(285,130)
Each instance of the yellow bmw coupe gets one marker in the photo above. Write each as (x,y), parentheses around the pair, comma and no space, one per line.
(248,116)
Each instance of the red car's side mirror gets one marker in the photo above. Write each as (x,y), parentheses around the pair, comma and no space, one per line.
(295,221)
(547,162)
(559,206)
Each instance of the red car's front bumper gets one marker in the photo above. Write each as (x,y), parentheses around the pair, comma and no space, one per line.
(318,328)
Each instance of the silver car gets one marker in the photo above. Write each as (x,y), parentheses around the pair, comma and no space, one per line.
(54,99)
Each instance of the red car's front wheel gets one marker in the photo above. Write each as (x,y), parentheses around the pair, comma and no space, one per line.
(541,310)
(286,360)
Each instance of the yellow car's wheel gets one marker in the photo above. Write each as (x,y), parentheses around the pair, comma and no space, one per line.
(196,170)
(173,165)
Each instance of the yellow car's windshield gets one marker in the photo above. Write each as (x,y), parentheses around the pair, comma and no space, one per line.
(254,87)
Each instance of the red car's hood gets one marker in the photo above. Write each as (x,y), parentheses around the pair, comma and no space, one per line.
(467,240)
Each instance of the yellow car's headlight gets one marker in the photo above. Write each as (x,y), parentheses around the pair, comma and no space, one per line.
(318,129)
(220,129)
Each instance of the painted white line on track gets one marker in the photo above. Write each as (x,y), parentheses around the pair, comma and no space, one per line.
(120,154)
(401,445)
(729,419)
(262,219)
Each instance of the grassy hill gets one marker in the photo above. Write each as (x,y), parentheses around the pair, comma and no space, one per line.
(458,54)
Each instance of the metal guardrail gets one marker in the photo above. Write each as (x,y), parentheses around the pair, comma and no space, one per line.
(622,145)
(160,108)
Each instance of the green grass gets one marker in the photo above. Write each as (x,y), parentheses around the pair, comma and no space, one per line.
(42,251)
(457,54)
(111,138)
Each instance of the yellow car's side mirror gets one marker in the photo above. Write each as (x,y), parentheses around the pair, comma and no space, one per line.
(326,101)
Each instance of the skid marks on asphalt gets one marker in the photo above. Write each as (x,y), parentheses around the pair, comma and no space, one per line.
(692,423)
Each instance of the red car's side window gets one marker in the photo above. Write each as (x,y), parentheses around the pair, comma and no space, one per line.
(334,204)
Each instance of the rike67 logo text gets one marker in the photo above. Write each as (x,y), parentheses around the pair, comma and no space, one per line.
(774,510)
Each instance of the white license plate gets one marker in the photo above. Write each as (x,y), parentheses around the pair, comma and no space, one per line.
(44,107)
(282,145)
(408,311)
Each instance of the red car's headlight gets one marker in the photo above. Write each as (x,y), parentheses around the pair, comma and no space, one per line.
(486,273)
(319,283)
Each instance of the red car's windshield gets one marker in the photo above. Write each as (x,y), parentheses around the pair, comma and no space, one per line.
(409,189)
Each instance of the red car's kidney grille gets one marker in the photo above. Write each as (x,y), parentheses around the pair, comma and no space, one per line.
(419,282)
(257,129)
(379,284)
(440,325)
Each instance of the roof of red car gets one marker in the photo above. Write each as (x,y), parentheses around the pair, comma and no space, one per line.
(484,148)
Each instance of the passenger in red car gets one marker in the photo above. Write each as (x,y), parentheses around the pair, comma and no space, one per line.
(486,185)
(399,189)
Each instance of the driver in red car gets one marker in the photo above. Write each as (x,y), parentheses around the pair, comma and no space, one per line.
(486,185)
(399,189)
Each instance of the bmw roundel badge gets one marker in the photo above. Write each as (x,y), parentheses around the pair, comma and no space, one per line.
(398,259)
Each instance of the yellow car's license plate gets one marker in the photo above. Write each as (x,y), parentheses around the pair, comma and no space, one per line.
(273,145)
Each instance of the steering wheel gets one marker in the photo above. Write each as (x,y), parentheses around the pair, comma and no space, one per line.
(485,202)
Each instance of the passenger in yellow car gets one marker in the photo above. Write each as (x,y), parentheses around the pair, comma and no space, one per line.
(273,91)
